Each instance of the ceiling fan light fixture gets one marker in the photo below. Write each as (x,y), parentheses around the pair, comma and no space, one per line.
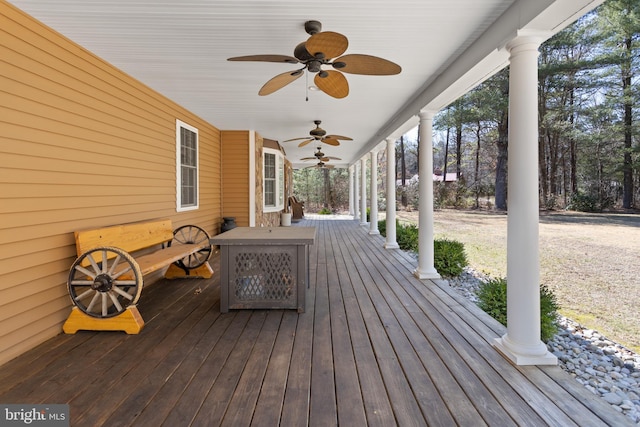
(314,66)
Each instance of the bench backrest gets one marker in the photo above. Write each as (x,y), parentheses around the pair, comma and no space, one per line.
(130,237)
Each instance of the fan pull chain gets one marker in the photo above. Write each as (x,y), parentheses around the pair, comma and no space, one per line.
(306,86)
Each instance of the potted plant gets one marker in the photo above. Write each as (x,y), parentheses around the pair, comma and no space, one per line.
(285,216)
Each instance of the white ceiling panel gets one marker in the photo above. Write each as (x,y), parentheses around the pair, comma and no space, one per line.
(180,49)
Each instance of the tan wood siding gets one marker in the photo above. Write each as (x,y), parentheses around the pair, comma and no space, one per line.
(235,175)
(83,145)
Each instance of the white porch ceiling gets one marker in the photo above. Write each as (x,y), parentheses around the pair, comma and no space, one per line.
(180,49)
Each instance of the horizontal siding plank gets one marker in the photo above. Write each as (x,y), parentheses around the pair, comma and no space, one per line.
(88,146)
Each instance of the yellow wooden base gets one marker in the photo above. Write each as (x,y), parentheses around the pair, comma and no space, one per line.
(174,272)
(129,321)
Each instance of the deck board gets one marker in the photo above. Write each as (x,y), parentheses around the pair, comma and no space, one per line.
(375,346)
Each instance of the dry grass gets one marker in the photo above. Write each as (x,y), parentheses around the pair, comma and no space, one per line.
(590,261)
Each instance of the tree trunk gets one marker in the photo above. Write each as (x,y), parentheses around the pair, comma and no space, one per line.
(446,157)
(327,188)
(476,177)
(627,167)
(501,164)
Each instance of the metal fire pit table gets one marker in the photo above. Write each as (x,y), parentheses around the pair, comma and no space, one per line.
(264,267)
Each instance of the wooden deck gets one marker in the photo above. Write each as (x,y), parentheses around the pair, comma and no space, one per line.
(376,346)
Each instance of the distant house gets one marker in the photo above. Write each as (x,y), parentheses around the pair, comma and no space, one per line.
(437,177)
(451,176)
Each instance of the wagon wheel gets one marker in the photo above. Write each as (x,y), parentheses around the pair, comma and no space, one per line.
(104,281)
(192,234)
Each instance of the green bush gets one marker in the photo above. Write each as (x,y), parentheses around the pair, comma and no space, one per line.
(407,237)
(584,203)
(406,234)
(324,211)
(382,227)
(492,298)
(449,257)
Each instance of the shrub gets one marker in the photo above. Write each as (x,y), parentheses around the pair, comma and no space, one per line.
(407,237)
(492,298)
(324,211)
(584,203)
(382,227)
(449,257)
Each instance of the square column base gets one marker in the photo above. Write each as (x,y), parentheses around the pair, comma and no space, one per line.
(422,275)
(524,359)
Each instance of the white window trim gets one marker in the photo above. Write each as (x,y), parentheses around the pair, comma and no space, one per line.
(279,196)
(179,208)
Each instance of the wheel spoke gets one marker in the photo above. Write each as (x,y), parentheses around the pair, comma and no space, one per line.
(84,294)
(125,294)
(120,273)
(93,302)
(115,301)
(105,306)
(81,282)
(85,271)
(94,264)
(105,261)
(116,261)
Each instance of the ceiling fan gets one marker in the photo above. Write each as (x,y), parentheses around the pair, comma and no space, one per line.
(319,155)
(320,135)
(320,165)
(318,51)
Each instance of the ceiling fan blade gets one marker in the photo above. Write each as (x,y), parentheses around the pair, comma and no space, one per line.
(279,81)
(307,158)
(366,64)
(332,158)
(296,139)
(327,42)
(334,84)
(303,143)
(266,58)
(344,138)
(331,141)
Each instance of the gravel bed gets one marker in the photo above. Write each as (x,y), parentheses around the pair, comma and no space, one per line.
(604,367)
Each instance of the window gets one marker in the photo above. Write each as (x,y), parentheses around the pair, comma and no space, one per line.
(273,180)
(187,167)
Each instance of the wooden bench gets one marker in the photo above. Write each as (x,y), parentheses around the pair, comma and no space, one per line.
(106,280)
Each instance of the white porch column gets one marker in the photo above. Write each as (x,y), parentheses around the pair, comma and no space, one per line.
(522,342)
(356,192)
(373,220)
(351,210)
(426,269)
(390,242)
(363,191)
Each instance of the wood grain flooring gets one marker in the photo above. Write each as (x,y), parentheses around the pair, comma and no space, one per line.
(376,347)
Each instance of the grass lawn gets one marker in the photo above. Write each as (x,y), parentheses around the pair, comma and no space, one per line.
(590,261)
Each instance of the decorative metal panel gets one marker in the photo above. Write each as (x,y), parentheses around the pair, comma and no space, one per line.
(263,277)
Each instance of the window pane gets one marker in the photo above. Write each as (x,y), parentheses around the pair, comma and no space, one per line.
(269,192)
(269,166)
(188,173)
